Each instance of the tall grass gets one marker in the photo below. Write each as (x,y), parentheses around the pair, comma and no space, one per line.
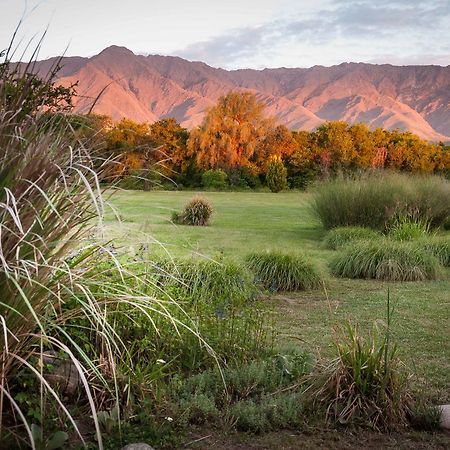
(365,384)
(51,276)
(437,245)
(375,200)
(386,259)
(283,272)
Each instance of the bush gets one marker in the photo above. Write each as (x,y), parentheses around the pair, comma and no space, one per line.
(385,259)
(197,212)
(214,179)
(377,199)
(282,272)
(276,176)
(365,384)
(341,236)
(439,246)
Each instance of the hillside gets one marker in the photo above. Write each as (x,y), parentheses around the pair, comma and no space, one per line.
(148,88)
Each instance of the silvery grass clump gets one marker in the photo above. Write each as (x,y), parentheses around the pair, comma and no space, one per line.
(386,259)
(49,199)
(338,237)
(279,271)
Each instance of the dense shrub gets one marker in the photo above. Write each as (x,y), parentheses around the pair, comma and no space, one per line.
(276,176)
(340,236)
(376,200)
(196,212)
(214,179)
(386,259)
(439,246)
(283,272)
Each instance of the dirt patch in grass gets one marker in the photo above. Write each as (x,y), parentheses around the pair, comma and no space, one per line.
(324,439)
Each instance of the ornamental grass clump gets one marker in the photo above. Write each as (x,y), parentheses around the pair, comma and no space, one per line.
(278,271)
(437,245)
(197,212)
(386,259)
(341,236)
(365,384)
(408,229)
(375,200)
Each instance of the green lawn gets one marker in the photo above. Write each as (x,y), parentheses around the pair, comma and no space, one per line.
(245,222)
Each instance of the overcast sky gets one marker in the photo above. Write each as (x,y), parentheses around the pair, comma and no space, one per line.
(240,33)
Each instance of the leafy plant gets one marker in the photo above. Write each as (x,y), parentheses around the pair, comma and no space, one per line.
(386,259)
(283,272)
(196,212)
(341,236)
(214,179)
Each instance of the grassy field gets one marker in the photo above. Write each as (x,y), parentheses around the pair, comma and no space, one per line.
(245,222)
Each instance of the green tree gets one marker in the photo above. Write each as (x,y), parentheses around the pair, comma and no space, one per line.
(276,176)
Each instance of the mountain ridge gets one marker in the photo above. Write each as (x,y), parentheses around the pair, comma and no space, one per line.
(153,87)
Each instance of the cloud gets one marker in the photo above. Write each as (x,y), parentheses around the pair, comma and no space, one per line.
(355,28)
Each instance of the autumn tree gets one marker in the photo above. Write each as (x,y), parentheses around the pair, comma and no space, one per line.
(277,141)
(230,132)
(169,139)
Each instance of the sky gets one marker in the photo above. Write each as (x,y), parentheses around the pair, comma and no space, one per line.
(236,34)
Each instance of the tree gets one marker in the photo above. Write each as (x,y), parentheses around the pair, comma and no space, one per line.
(276,176)
(230,132)
(277,141)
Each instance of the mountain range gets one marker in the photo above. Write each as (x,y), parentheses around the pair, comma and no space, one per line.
(149,88)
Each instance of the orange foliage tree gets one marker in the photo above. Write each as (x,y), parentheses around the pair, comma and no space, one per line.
(230,132)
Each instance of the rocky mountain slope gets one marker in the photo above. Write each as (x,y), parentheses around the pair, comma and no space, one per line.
(148,88)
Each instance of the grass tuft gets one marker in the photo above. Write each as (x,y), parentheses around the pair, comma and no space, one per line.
(341,236)
(283,272)
(388,260)
(197,212)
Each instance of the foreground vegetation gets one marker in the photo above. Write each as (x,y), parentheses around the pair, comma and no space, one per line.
(131,325)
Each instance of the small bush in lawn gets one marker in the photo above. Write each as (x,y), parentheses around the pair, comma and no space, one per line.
(408,229)
(341,236)
(197,212)
(364,384)
(386,259)
(375,200)
(439,246)
(283,272)
(214,179)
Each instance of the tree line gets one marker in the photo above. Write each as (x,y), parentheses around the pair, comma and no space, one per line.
(239,146)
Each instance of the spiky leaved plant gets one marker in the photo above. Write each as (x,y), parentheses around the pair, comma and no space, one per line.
(50,277)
